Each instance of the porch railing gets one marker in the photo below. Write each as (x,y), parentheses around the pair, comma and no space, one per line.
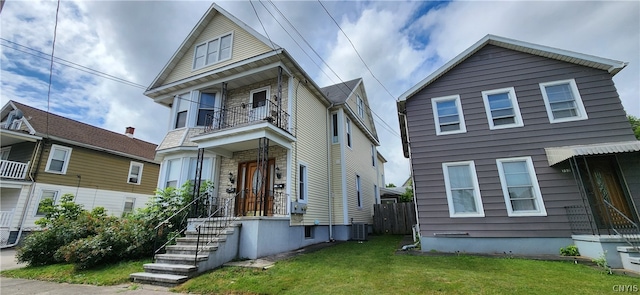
(6,217)
(246,114)
(622,225)
(13,170)
(274,203)
(213,226)
(612,221)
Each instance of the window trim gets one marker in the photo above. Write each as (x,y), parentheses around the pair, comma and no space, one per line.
(542,211)
(65,165)
(182,104)
(267,96)
(458,102)
(582,113)
(335,128)
(360,106)
(511,92)
(304,179)
(476,190)
(55,199)
(124,206)
(5,152)
(212,108)
(219,38)
(139,180)
(373,155)
(359,191)
(348,133)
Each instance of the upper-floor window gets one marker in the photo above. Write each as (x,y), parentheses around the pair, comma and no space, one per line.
(447,114)
(348,123)
(360,104)
(358,191)
(206,109)
(4,153)
(213,51)
(135,173)
(334,127)
(58,159)
(463,192)
(182,110)
(501,106)
(302,183)
(520,187)
(373,155)
(562,101)
(46,194)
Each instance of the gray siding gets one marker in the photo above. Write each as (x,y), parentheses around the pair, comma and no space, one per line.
(491,68)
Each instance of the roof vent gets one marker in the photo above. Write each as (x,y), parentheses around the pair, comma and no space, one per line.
(129,131)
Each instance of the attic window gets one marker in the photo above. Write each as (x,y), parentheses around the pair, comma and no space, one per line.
(213,51)
(360,104)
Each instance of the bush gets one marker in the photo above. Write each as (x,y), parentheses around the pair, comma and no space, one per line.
(571,250)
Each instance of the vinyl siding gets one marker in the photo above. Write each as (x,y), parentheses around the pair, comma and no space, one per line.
(352,102)
(358,162)
(99,170)
(336,183)
(244,46)
(494,68)
(311,149)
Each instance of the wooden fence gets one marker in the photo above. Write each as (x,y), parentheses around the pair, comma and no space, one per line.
(395,218)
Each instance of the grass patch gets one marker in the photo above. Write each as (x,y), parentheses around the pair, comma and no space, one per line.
(373,268)
(107,275)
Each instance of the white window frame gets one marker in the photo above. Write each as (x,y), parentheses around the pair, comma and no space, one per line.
(582,113)
(476,190)
(335,128)
(4,153)
(511,92)
(360,105)
(54,197)
(359,191)
(373,155)
(542,211)
(348,132)
(65,165)
(267,97)
(303,178)
(167,172)
(210,108)
(131,165)
(183,104)
(133,204)
(206,44)
(458,102)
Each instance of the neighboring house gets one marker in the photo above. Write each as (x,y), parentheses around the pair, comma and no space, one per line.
(522,148)
(46,156)
(298,163)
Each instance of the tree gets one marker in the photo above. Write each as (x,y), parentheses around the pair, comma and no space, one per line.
(407,196)
(635,125)
(391,185)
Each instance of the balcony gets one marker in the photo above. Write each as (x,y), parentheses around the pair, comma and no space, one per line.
(238,128)
(13,170)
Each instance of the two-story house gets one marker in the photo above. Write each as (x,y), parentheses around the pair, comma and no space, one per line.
(46,156)
(297,163)
(522,148)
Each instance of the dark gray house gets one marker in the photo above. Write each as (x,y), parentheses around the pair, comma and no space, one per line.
(524,149)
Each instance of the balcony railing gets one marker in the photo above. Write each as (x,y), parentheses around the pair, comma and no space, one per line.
(13,170)
(245,114)
(6,217)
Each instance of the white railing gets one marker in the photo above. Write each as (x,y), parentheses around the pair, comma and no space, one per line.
(13,170)
(6,217)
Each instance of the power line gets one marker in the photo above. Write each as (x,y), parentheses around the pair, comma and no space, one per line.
(53,50)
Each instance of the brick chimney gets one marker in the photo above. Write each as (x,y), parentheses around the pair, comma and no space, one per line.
(129,131)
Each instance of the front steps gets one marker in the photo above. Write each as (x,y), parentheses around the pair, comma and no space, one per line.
(179,263)
(630,257)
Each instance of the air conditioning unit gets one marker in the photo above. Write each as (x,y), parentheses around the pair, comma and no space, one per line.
(359,231)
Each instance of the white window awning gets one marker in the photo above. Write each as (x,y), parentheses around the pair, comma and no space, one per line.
(556,155)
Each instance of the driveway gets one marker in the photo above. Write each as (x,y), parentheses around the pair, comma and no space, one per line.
(8,259)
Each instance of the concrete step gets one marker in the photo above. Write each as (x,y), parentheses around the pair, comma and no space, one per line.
(174,269)
(194,240)
(180,258)
(191,249)
(166,280)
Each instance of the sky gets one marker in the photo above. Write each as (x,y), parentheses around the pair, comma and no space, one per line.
(400,42)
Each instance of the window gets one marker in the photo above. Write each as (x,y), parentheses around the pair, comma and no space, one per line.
(447,113)
(182,110)
(360,104)
(520,187)
(502,108)
(129,203)
(212,51)
(373,155)
(302,183)
(463,192)
(206,108)
(376,194)
(334,127)
(206,168)
(358,191)
(4,153)
(58,159)
(563,101)
(135,173)
(173,173)
(308,232)
(46,194)
(258,98)
(348,132)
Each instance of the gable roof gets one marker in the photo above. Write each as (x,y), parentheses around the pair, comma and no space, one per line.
(193,35)
(338,93)
(612,66)
(78,133)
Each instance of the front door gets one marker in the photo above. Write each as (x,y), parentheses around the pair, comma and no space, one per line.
(255,198)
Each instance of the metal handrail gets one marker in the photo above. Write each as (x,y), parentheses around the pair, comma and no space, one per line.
(227,219)
(629,221)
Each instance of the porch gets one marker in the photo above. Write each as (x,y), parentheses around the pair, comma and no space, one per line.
(13,169)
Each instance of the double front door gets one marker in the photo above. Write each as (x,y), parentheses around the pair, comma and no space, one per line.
(255,187)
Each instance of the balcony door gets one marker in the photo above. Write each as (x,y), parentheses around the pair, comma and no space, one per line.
(255,197)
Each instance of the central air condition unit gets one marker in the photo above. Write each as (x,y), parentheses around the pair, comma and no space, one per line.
(359,231)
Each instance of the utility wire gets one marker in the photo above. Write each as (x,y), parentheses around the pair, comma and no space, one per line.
(53,50)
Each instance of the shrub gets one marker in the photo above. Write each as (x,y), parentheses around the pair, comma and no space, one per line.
(571,250)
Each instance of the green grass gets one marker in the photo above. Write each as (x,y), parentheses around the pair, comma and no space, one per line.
(373,268)
(113,274)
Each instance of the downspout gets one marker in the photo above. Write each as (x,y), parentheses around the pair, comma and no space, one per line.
(330,199)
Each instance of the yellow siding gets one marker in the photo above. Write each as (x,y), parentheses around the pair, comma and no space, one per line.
(358,161)
(311,148)
(336,184)
(99,170)
(244,46)
(352,102)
